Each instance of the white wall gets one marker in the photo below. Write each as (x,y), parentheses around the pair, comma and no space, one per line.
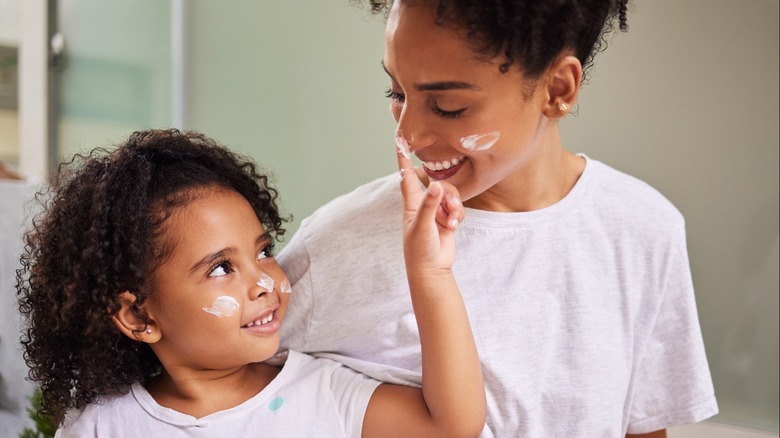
(297,86)
(711,429)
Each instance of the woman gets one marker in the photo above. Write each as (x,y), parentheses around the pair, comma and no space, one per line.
(575,276)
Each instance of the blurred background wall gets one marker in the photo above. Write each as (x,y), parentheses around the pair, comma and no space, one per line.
(686,100)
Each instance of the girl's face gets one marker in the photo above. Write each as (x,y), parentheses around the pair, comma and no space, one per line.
(215,300)
(441,92)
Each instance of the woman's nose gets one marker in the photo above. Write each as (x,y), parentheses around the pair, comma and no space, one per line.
(413,129)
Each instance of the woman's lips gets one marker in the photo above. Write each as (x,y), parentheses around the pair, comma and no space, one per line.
(442,174)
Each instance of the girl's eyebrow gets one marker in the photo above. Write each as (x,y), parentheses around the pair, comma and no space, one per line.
(263,238)
(438,86)
(209,259)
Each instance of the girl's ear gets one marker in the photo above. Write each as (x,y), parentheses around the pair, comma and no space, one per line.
(128,323)
(563,86)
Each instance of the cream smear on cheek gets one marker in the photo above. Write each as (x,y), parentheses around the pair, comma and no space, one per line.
(266,282)
(285,287)
(480,142)
(223,306)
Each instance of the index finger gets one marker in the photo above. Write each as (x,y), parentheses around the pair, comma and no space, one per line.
(410,185)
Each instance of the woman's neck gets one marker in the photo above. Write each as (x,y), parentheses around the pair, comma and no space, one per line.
(546,177)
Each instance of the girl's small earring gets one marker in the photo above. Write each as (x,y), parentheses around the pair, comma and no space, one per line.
(563,106)
(149,331)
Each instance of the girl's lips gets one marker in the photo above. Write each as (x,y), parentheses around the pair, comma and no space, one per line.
(264,329)
(439,175)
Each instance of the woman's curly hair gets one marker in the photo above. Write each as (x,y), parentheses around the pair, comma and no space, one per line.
(530,32)
(98,235)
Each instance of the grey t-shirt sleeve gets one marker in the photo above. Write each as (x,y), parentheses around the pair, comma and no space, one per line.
(673,384)
(294,260)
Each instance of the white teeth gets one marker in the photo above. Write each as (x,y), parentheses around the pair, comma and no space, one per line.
(441,165)
(261,321)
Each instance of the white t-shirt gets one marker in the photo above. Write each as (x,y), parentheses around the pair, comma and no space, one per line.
(583,312)
(310,397)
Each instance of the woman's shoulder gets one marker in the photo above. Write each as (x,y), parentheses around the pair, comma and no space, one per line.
(373,193)
(363,208)
(621,192)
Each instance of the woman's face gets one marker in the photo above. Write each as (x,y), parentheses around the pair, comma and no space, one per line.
(442,92)
(215,300)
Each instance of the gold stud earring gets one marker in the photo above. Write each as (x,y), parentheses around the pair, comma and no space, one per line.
(563,106)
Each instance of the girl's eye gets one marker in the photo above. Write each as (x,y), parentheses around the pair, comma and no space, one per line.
(222,269)
(394,96)
(265,253)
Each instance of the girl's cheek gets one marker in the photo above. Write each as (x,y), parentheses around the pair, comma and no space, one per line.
(222,307)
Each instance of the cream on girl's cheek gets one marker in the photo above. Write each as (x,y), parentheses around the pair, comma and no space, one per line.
(266,282)
(284,286)
(480,142)
(222,307)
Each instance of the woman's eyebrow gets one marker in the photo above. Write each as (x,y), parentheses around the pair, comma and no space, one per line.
(438,86)
(445,85)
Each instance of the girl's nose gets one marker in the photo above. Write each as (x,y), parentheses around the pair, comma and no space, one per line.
(263,285)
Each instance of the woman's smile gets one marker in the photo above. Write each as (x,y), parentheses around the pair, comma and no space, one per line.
(442,169)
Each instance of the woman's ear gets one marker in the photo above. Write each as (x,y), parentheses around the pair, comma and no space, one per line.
(563,86)
(128,322)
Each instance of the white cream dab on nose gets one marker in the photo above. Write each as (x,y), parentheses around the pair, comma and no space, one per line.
(266,282)
(480,142)
(285,287)
(222,306)
(402,146)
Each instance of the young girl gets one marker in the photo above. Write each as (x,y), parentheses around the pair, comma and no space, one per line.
(575,275)
(152,297)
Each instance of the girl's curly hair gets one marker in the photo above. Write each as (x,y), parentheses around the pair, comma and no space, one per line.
(98,235)
(530,32)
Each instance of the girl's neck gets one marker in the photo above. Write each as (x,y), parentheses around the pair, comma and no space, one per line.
(199,393)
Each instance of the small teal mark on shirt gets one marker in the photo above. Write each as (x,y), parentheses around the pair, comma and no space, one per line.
(276,403)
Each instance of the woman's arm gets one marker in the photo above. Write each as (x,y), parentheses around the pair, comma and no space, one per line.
(452,400)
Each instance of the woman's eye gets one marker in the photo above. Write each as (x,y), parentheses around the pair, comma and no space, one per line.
(394,96)
(221,269)
(448,114)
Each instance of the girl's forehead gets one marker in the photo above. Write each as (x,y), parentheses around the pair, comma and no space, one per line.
(201,219)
